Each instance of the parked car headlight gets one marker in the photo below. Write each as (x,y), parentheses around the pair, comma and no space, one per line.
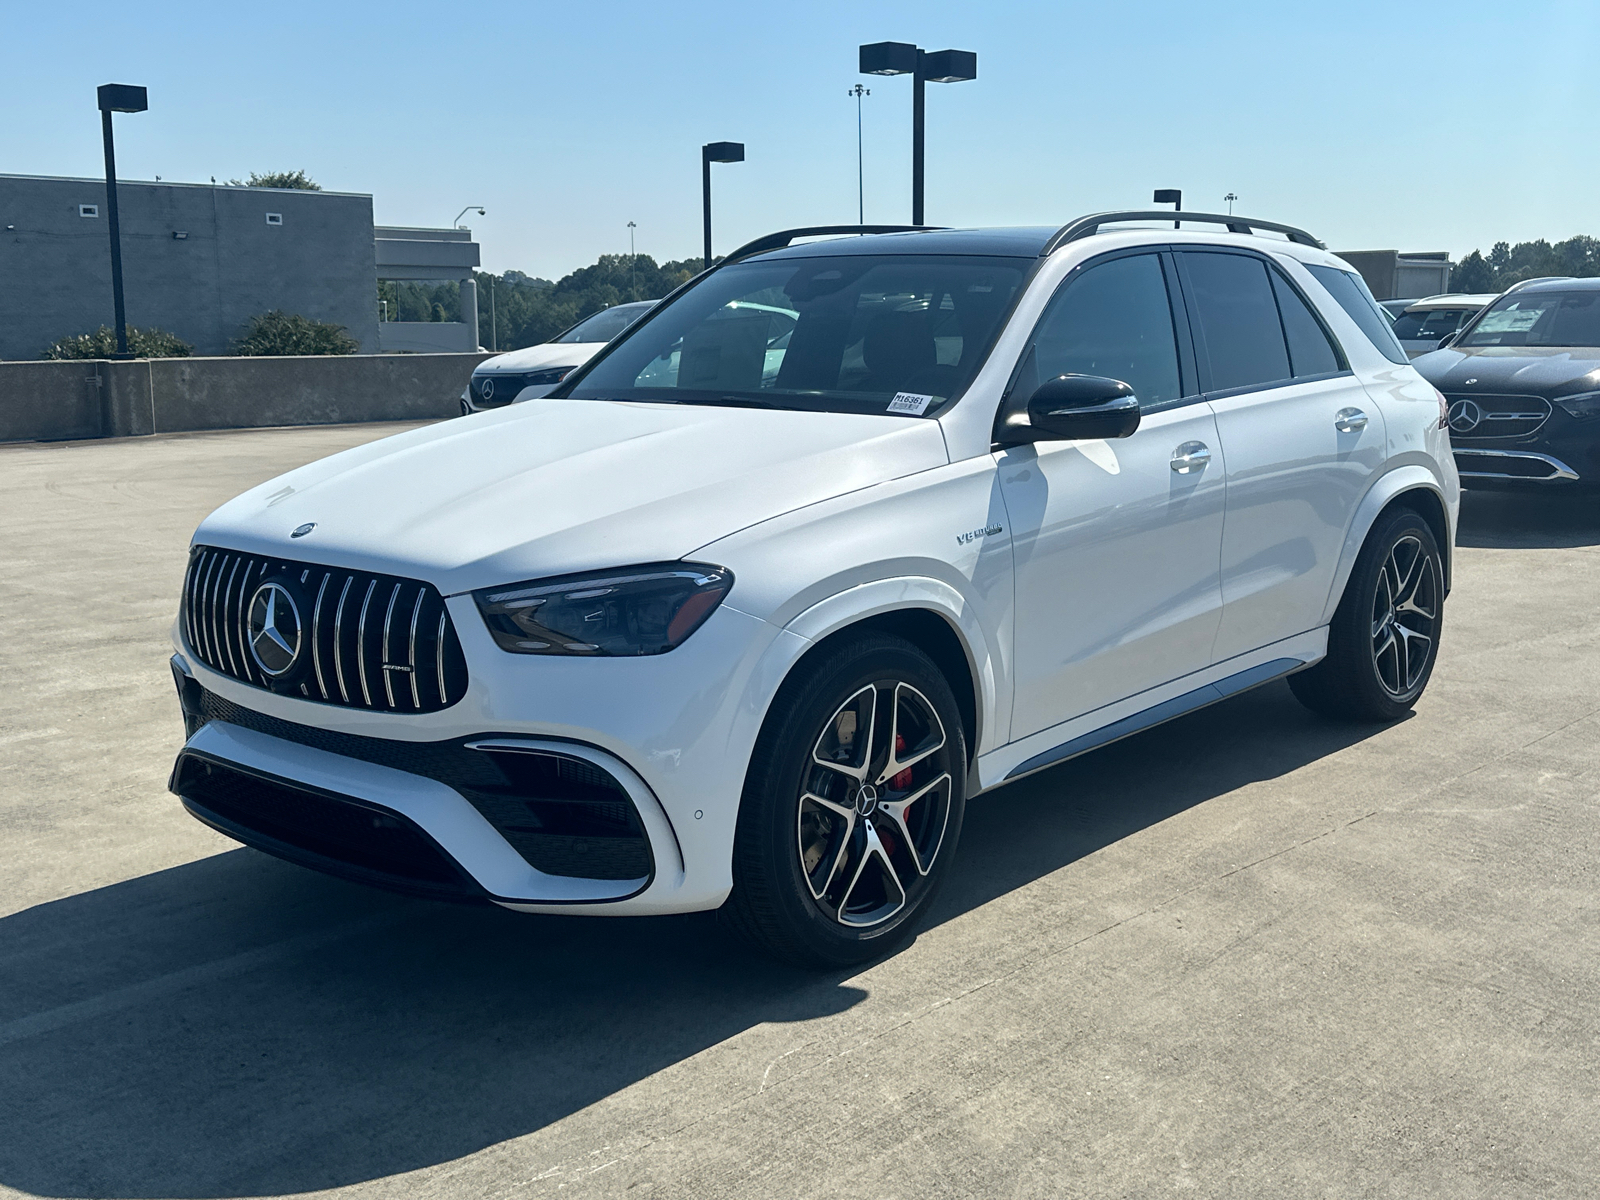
(635,610)
(1586,405)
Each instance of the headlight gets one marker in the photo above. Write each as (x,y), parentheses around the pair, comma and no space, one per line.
(635,610)
(548,375)
(1586,405)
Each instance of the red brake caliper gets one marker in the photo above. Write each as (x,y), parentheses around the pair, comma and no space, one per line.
(901,781)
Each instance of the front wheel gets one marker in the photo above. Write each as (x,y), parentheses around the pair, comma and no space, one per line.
(852,806)
(1384,637)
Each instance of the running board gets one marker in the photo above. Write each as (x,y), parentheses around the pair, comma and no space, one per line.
(1230,685)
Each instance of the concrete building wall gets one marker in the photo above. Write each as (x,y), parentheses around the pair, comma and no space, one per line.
(228,265)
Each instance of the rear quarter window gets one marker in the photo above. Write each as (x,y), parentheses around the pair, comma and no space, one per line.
(1350,291)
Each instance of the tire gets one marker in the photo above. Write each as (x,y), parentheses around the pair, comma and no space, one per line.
(834,861)
(1384,637)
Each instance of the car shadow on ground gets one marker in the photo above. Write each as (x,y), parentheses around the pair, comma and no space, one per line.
(1529,520)
(240,1027)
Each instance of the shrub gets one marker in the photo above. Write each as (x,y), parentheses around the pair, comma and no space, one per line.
(278,332)
(102,343)
(297,180)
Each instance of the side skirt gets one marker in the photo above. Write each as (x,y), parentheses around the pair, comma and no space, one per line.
(1122,718)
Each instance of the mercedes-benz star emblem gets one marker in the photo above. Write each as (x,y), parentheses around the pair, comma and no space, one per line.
(1464,416)
(302,530)
(274,628)
(1472,381)
(866,800)
(486,389)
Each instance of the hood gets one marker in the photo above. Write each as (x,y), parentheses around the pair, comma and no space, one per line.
(565,485)
(1529,370)
(545,354)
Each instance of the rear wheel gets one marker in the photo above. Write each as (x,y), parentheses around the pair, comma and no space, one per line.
(852,806)
(1384,637)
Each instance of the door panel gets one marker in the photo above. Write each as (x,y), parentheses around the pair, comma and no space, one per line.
(1299,461)
(1116,559)
(1301,438)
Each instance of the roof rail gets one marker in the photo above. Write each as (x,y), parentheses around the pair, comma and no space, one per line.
(1522,283)
(1087,226)
(777,241)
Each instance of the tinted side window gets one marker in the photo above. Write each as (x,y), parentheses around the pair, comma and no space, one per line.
(1238,319)
(1113,320)
(1351,292)
(1310,352)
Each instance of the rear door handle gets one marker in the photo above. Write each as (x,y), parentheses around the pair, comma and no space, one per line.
(1190,458)
(1349,420)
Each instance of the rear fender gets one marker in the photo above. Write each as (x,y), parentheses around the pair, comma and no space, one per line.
(1404,479)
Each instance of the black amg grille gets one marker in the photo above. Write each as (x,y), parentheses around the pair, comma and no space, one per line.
(561,813)
(367,641)
(332,833)
(1500,416)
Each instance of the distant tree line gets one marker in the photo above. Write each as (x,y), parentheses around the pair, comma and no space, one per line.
(526,310)
(1506,264)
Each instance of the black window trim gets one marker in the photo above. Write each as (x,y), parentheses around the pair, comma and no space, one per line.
(1177,308)
(1204,361)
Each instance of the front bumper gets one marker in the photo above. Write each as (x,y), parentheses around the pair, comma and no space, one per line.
(1478,467)
(673,731)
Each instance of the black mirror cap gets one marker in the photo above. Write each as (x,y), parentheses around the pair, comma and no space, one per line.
(1079,407)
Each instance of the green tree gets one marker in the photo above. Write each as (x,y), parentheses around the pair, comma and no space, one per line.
(102,343)
(1472,274)
(298,180)
(1577,257)
(278,332)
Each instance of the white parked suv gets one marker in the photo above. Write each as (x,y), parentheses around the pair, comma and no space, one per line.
(534,371)
(844,533)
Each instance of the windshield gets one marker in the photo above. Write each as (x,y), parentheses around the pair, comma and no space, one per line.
(1432,323)
(604,325)
(1539,319)
(858,333)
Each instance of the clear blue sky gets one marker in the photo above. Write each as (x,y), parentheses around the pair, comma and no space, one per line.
(1375,125)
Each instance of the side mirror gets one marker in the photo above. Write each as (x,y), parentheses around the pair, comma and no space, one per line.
(1074,408)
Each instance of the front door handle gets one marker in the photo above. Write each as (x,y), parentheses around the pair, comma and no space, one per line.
(1190,458)
(1349,420)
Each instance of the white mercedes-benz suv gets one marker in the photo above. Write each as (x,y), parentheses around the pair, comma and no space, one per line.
(842,534)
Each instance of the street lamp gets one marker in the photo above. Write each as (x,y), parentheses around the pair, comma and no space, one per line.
(125,98)
(861,187)
(465,211)
(924,66)
(722,152)
(1230,198)
(633,259)
(1172,196)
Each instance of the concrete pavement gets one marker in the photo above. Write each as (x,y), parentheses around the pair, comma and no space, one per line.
(1248,954)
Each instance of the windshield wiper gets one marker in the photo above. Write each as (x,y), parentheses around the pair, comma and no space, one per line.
(741,402)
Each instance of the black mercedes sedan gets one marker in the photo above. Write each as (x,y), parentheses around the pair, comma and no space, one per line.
(1522,381)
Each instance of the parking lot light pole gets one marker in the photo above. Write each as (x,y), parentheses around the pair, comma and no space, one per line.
(722,152)
(924,66)
(1172,196)
(126,98)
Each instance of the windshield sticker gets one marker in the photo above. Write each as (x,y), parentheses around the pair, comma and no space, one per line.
(910,402)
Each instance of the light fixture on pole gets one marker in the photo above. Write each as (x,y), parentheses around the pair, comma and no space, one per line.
(861,188)
(1172,196)
(469,208)
(924,66)
(722,152)
(1230,198)
(124,98)
(633,258)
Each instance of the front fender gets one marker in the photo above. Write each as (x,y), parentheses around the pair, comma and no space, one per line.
(1385,488)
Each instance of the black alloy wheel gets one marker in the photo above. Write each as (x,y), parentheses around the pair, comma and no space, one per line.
(852,807)
(1384,637)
